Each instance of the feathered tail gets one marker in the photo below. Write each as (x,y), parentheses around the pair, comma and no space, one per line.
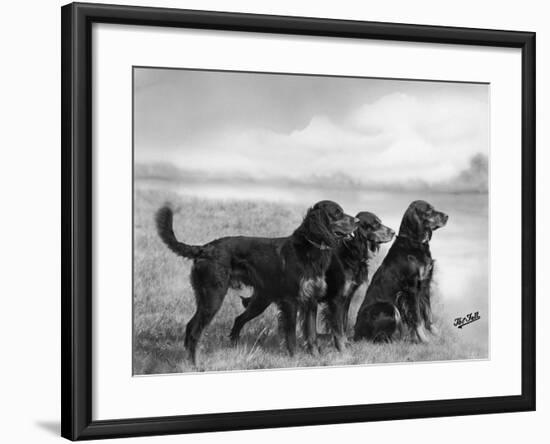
(164,219)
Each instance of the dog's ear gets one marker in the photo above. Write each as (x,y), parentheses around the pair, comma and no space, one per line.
(362,232)
(316,227)
(413,226)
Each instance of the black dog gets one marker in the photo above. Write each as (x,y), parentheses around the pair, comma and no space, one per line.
(399,294)
(348,270)
(289,270)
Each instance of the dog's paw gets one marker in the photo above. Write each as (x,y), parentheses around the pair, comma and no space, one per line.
(341,343)
(435,331)
(313,349)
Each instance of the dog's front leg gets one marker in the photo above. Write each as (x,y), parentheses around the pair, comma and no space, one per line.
(421,333)
(347,302)
(428,319)
(289,311)
(434,330)
(336,317)
(310,327)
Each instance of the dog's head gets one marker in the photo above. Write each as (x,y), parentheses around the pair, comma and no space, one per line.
(372,232)
(420,220)
(325,223)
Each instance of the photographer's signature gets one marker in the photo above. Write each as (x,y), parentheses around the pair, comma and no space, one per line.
(468,319)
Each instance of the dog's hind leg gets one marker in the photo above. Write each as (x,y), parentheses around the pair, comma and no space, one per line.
(210,284)
(381,323)
(257,304)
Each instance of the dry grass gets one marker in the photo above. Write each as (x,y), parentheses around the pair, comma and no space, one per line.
(164,301)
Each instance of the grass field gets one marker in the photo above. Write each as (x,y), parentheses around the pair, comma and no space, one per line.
(164,301)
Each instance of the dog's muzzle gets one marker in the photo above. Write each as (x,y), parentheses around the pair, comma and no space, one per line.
(345,227)
(440,220)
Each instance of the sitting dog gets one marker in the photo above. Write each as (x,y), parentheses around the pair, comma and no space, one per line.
(289,271)
(398,297)
(348,270)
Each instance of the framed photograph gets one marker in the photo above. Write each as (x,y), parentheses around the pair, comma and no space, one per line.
(282,221)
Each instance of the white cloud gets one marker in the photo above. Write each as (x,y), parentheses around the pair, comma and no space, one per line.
(397,138)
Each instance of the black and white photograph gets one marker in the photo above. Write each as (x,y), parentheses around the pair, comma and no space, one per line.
(276,221)
(287,220)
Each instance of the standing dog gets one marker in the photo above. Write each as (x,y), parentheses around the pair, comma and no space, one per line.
(289,270)
(399,294)
(348,270)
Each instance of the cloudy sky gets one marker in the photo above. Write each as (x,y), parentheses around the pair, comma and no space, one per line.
(289,126)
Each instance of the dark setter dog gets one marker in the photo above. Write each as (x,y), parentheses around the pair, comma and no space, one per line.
(289,270)
(398,299)
(347,271)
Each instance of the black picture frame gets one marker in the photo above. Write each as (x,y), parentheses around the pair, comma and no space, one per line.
(76,230)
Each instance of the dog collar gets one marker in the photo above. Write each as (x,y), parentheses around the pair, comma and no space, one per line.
(319,246)
(410,239)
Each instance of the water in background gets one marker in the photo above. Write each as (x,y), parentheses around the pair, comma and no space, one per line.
(461,249)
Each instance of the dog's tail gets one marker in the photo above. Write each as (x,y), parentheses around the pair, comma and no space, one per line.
(164,219)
